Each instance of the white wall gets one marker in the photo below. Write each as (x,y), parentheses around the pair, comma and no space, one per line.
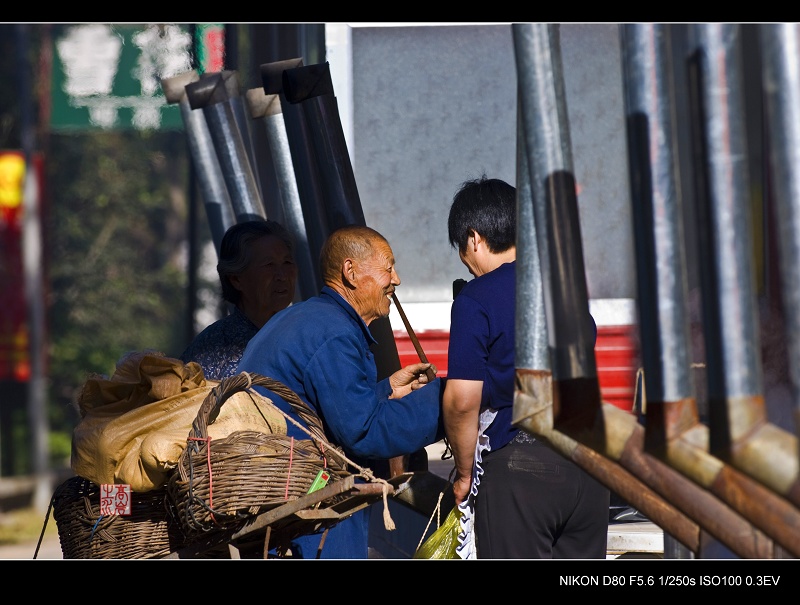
(427,107)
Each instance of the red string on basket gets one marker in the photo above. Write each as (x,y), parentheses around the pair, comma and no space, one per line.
(324,457)
(289,472)
(208,464)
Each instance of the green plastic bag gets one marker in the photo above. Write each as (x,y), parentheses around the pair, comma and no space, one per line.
(442,543)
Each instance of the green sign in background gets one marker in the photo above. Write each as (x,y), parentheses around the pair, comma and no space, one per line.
(107,76)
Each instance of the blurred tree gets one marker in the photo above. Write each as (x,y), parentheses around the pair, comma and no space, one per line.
(115,246)
(116,239)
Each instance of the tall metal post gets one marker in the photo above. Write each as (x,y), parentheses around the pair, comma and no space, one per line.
(34,289)
(213,94)
(781,58)
(267,109)
(547,141)
(658,234)
(216,199)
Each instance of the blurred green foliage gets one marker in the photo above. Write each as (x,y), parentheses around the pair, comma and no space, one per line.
(115,244)
(116,240)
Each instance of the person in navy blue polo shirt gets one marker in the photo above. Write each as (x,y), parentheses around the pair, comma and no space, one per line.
(519,497)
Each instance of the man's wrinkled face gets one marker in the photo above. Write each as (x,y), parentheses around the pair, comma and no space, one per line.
(377,279)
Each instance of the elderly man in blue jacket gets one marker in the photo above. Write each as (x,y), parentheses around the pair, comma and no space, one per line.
(320,349)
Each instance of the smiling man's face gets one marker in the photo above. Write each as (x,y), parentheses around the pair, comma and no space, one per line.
(377,279)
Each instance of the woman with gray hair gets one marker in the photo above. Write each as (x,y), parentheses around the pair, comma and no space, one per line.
(258,275)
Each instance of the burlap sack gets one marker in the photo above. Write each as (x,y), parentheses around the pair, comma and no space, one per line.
(134,425)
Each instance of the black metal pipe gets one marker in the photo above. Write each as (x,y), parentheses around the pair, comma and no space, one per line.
(325,176)
(267,110)
(213,94)
(309,187)
(781,51)
(729,311)
(217,202)
(548,147)
(657,214)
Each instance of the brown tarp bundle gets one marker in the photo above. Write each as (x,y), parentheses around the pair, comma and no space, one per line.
(134,426)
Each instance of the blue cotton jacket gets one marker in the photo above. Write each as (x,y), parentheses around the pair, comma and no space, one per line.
(319,348)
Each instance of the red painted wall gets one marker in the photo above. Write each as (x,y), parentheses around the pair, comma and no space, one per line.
(616,354)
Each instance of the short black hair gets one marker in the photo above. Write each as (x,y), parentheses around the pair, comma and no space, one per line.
(234,250)
(486,206)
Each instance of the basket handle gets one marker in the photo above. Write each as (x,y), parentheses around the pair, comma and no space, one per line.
(212,404)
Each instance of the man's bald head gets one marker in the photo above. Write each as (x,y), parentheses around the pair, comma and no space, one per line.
(353,241)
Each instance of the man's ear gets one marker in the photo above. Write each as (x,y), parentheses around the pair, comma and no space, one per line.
(476,238)
(348,273)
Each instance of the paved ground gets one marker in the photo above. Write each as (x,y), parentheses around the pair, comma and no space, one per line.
(49,549)
(435,462)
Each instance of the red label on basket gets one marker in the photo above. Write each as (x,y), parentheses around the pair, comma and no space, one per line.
(115,499)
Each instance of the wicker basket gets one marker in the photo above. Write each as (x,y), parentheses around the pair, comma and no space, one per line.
(149,532)
(221,484)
